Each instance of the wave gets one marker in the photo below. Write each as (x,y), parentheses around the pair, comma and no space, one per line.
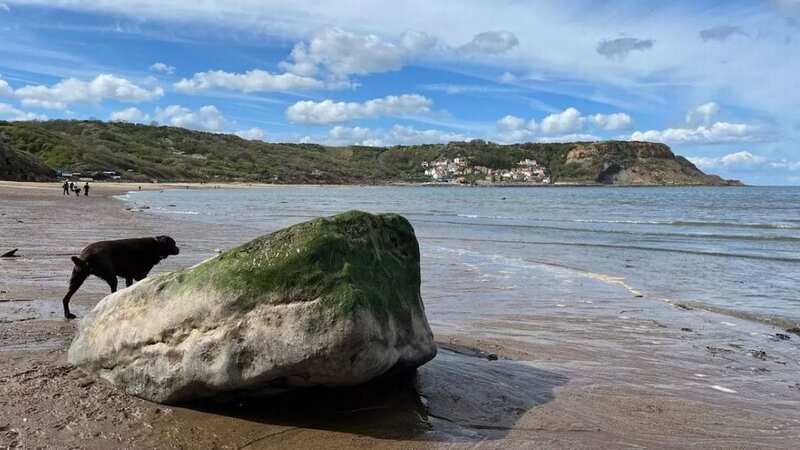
(476,216)
(622,247)
(732,237)
(527,263)
(174,211)
(767,319)
(697,223)
(788,224)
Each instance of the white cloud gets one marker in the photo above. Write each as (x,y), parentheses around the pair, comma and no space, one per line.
(701,130)
(408,135)
(468,88)
(784,164)
(511,123)
(564,126)
(344,53)
(328,111)
(717,133)
(746,164)
(340,53)
(574,137)
(397,135)
(612,122)
(72,90)
(516,129)
(4,7)
(738,160)
(206,118)
(132,115)
(702,114)
(565,122)
(253,134)
(5,89)
(491,42)
(10,113)
(417,41)
(507,77)
(163,68)
(350,135)
(250,81)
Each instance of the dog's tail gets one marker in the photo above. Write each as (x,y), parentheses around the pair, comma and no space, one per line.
(79,262)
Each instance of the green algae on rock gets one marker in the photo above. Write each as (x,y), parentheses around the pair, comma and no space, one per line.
(331,302)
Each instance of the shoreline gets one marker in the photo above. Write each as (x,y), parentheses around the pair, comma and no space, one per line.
(123,187)
(580,379)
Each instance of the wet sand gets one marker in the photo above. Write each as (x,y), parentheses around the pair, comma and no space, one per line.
(590,375)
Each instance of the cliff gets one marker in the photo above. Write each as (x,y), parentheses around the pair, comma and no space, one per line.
(636,163)
(142,152)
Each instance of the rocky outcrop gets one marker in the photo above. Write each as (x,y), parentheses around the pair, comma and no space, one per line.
(17,165)
(331,302)
(635,163)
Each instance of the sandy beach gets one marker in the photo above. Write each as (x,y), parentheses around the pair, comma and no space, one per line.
(654,375)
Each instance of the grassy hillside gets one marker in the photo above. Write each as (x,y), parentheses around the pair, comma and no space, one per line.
(144,152)
(17,165)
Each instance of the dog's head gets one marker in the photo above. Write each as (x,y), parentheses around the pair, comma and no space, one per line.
(167,246)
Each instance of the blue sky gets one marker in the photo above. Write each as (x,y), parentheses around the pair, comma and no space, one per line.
(716,80)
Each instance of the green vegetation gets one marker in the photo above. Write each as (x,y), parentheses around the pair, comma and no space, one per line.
(142,153)
(16,165)
(349,261)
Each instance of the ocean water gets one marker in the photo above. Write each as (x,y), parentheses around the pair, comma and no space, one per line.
(492,251)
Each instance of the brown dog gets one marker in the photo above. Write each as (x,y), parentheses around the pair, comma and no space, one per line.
(131,259)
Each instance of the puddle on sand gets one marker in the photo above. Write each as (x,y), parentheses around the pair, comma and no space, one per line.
(25,325)
(23,310)
(457,397)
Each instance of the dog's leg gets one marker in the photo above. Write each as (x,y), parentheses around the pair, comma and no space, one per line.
(79,275)
(112,282)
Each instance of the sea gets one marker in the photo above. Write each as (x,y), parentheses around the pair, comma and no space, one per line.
(525,250)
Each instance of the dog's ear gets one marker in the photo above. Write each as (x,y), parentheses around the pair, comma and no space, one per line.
(79,262)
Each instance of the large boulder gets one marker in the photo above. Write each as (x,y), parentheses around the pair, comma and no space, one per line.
(331,302)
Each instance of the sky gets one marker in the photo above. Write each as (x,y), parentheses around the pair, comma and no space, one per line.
(718,81)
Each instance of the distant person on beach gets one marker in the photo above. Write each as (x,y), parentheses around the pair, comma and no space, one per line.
(86,189)
(77,191)
(66,188)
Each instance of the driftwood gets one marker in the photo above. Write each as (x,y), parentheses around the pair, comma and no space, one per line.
(11,254)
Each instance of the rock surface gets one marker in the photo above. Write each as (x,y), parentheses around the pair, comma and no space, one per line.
(331,302)
(636,163)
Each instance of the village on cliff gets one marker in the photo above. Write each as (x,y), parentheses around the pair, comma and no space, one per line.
(459,170)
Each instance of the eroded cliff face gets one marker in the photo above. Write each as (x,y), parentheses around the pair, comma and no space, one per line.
(634,163)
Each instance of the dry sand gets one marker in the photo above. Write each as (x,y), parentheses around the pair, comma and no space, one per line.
(653,377)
